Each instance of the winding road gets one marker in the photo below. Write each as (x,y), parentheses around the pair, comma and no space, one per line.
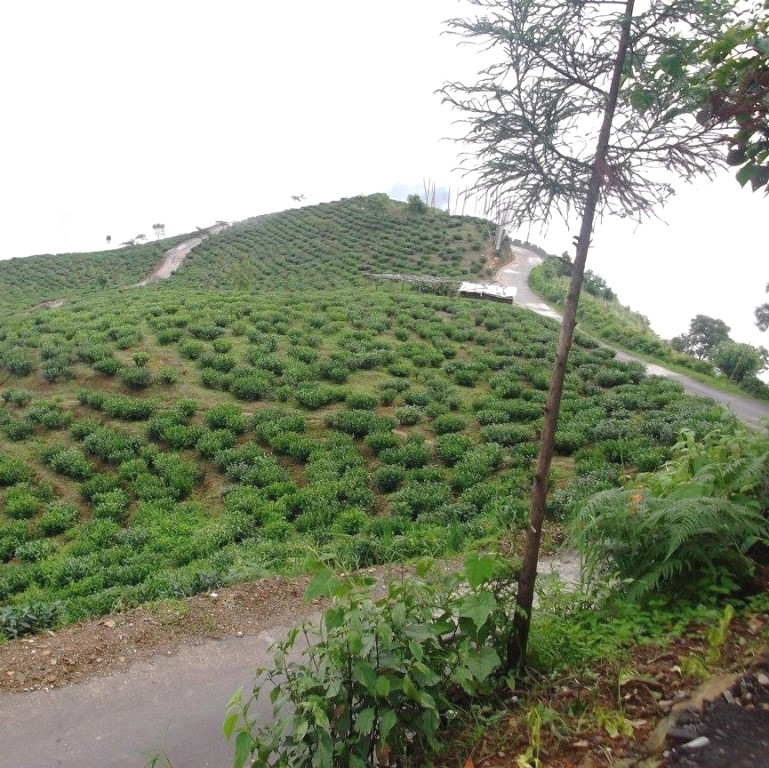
(516,274)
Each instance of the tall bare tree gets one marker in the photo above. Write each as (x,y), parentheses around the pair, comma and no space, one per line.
(578,113)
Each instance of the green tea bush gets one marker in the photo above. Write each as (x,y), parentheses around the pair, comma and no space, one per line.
(212,441)
(389,477)
(451,448)
(13,533)
(448,422)
(21,502)
(70,462)
(227,416)
(507,434)
(13,471)
(58,517)
(110,505)
(411,453)
(119,406)
(191,350)
(255,386)
(361,401)
(409,415)
(112,445)
(18,430)
(316,395)
(16,396)
(50,415)
(477,465)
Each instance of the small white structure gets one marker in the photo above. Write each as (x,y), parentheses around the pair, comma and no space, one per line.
(488,291)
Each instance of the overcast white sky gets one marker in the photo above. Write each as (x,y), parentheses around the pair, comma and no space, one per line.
(120,115)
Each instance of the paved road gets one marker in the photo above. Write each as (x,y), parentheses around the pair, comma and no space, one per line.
(516,274)
(171,707)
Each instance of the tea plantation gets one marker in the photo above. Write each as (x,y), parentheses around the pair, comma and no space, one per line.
(268,401)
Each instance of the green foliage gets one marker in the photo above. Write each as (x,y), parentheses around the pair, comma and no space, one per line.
(17,621)
(689,525)
(740,361)
(378,675)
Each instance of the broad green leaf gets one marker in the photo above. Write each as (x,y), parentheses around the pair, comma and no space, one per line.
(364,722)
(323,584)
(228,726)
(478,569)
(387,721)
(744,175)
(483,663)
(416,650)
(364,673)
(478,607)
(382,686)
(243,744)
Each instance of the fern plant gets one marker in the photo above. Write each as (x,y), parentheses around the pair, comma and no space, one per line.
(688,526)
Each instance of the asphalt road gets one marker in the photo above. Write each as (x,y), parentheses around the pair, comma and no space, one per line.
(516,274)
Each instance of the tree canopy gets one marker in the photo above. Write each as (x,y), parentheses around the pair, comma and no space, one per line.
(704,336)
(730,86)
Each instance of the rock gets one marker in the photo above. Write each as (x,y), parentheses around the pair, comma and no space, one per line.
(729,696)
(699,743)
(682,734)
(762,679)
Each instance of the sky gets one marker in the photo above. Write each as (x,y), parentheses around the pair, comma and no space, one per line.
(121,115)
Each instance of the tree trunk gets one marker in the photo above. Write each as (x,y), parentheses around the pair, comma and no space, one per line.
(519,637)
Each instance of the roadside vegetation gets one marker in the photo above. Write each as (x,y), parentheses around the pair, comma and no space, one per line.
(601,314)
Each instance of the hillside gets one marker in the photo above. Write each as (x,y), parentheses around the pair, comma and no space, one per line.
(166,440)
(333,245)
(30,281)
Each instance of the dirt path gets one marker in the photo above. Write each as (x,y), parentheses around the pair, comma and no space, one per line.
(174,257)
(516,274)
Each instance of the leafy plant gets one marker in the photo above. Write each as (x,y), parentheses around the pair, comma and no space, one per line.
(688,526)
(377,675)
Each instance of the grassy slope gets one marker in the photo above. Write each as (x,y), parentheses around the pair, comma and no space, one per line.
(376,423)
(35,279)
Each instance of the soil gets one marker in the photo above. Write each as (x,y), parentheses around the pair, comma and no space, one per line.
(660,707)
(110,644)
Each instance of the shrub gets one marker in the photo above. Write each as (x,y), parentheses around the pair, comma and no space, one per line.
(227,416)
(448,422)
(361,401)
(13,471)
(21,502)
(58,517)
(353,422)
(68,461)
(507,434)
(255,386)
(110,505)
(399,689)
(451,447)
(389,477)
(409,415)
(20,397)
(213,441)
(136,378)
(314,396)
(168,375)
(21,620)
